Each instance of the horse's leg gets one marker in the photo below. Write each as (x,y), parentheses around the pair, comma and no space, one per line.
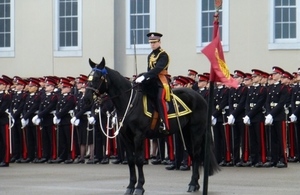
(139,161)
(194,149)
(129,148)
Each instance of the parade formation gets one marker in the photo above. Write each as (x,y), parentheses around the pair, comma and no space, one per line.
(44,120)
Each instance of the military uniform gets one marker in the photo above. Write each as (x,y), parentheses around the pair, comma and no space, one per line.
(220,130)
(237,101)
(64,110)
(31,106)
(256,98)
(16,108)
(155,82)
(5,151)
(276,100)
(45,114)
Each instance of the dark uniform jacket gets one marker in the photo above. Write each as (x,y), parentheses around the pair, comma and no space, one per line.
(46,108)
(295,100)
(237,101)
(158,60)
(256,99)
(5,100)
(31,107)
(276,100)
(220,103)
(17,105)
(63,107)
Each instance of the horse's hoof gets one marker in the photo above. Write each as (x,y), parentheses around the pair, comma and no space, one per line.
(193,188)
(129,191)
(138,191)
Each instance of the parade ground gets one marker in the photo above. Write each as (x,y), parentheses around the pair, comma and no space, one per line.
(86,179)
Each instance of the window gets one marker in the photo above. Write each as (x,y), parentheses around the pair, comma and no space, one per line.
(140,21)
(206,11)
(7,28)
(68,28)
(284,31)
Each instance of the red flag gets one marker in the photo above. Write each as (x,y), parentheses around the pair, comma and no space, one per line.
(214,52)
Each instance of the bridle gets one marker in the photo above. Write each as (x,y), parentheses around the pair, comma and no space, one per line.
(102,80)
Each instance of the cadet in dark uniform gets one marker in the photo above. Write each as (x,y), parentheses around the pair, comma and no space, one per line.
(5,99)
(44,118)
(65,105)
(254,119)
(295,115)
(32,103)
(202,86)
(275,119)
(16,108)
(155,82)
(193,74)
(219,116)
(237,101)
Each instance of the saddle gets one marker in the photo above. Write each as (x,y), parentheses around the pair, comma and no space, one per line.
(150,110)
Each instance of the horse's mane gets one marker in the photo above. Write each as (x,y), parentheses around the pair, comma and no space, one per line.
(119,80)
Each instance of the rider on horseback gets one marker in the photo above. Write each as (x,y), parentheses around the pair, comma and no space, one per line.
(156,78)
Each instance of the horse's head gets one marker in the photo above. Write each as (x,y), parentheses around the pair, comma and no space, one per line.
(97,82)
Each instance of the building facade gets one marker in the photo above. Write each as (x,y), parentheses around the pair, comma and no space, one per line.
(39,38)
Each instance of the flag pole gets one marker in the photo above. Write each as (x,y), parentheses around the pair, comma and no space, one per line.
(208,139)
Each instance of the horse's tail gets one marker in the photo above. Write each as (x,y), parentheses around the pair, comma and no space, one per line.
(213,164)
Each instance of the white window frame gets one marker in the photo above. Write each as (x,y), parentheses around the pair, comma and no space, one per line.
(225,27)
(140,48)
(283,44)
(9,52)
(67,51)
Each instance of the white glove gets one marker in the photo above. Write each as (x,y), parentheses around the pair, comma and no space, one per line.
(231,119)
(293,118)
(213,121)
(24,122)
(246,120)
(36,120)
(92,120)
(140,79)
(76,122)
(56,120)
(269,120)
(73,119)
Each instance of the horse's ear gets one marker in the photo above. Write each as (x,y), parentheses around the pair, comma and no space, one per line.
(92,64)
(102,63)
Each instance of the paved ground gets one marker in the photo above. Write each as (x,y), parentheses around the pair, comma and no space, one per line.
(83,179)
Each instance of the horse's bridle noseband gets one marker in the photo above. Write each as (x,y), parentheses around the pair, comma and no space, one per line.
(102,78)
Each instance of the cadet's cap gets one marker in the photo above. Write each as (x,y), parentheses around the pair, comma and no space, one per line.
(7,79)
(206,74)
(83,76)
(63,79)
(238,73)
(265,74)
(192,72)
(248,76)
(256,72)
(154,36)
(33,82)
(202,77)
(66,84)
(295,74)
(179,81)
(81,80)
(287,75)
(71,78)
(3,82)
(277,69)
(50,81)
(20,81)
(298,70)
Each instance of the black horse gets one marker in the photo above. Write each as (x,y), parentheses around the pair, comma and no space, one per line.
(129,106)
